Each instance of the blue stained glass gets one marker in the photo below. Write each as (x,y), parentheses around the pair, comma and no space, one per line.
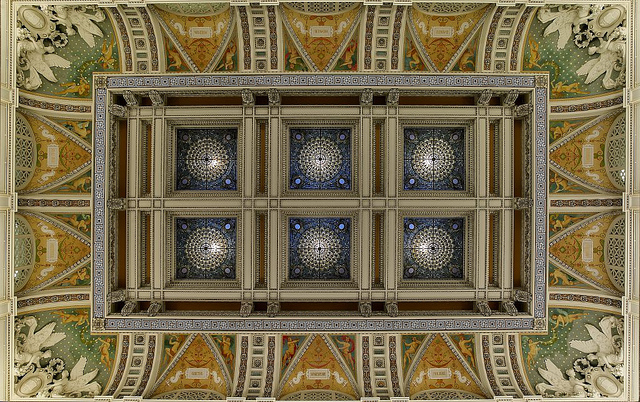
(434,158)
(320,159)
(205,248)
(206,159)
(319,248)
(433,248)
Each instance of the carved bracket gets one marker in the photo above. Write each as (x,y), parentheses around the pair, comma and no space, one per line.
(248,98)
(485,97)
(366,97)
(117,204)
(131,99)
(273,308)
(157,100)
(365,308)
(393,97)
(118,110)
(509,100)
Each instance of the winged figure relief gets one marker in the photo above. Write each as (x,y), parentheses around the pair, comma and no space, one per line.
(83,22)
(76,384)
(563,20)
(38,60)
(558,383)
(29,347)
(603,345)
(612,58)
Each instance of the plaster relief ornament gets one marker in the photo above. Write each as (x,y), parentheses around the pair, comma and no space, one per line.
(245,309)
(559,384)
(365,308)
(607,24)
(42,29)
(611,58)
(599,374)
(248,98)
(366,98)
(603,345)
(157,100)
(273,308)
(77,384)
(29,347)
(52,380)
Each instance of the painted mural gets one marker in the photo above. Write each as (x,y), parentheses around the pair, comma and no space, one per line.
(559,183)
(561,221)
(80,222)
(465,343)
(568,360)
(175,63)
(198,365)
(82,128)
(290,346)
(227,347)
(292,59)
(409,347)
(78,184)
(468,58)
(412,59)
(558,277)
(81,277)
(54,156)
(346,344)
(560,128)
(200,39)
(58,251)
(583,155)
(64,45)
(321,39)
(318,367)
(442,38)
(349,59)
(171,345)
(580,250)
(74,364)
(441,366)
(229,61)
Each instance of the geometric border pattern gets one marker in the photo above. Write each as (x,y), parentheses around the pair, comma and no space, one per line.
(538,83)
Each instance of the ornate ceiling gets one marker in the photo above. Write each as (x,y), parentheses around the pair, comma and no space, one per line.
(586,343)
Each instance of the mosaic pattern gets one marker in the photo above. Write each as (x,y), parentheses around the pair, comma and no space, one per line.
(433,248)
(319,248)
(434,158)
(320,159)
(205,248)
(206,159)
